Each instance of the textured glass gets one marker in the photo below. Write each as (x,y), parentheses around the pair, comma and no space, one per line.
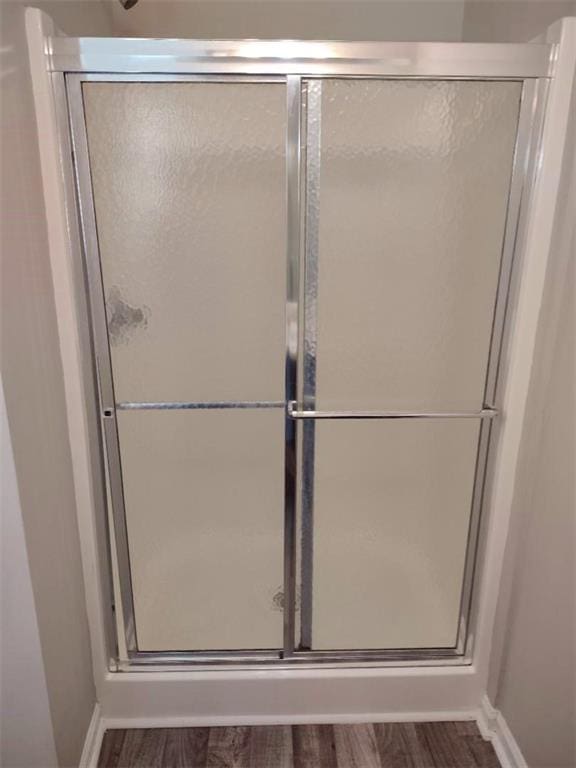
(189,190)
(391,515)
(414,181)
(204,494)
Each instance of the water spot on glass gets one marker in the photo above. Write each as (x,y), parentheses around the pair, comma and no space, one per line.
(124,320)
(278,600)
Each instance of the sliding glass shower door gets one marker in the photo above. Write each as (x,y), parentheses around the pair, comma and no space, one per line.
(410,184)
(297,294)
(189,197)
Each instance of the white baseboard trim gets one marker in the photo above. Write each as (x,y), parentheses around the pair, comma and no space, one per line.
(494,728)
(93,740)
(100,724)
(491,724)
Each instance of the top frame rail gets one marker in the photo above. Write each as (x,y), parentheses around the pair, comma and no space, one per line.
(298,57)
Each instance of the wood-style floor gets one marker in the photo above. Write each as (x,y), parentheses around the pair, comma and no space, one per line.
(386,745)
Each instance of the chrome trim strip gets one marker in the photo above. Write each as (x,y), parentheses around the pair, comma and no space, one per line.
(102,521)
(526,162)
(103,363)
(351,658)
(208,405)
(241,655)
(299,57)
(170,77)
(310,302)
(295,413)
(287,664)
(293,224)
(517,188)
(476,503)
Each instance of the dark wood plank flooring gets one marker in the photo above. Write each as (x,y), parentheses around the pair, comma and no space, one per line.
(382,745)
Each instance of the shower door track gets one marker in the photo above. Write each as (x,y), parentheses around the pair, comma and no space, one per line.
(301,70)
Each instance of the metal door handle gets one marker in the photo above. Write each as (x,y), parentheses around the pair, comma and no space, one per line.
(296,412)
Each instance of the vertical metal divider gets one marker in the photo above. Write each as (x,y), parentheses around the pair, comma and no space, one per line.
(99,330)
(293,240)
(312,210)
(526,136)
(300,372)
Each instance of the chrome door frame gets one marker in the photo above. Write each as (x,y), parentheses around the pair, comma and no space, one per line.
(530,119)
(313,58)
(299,66)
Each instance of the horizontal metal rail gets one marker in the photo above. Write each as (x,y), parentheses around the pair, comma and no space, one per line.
(371,657)
(211,405)
(299,57)
(296,413)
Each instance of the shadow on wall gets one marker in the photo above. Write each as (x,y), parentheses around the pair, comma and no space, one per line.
(304,19)
(511,21)
(34,389)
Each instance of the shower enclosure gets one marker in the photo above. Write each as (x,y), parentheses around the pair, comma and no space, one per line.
(298,260)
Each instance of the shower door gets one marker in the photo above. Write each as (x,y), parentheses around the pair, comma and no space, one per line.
(297,288)
(189,193)
(408,185)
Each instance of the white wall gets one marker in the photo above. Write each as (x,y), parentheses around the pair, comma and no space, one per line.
(536,688)
(511,21)
(33,386)
(26,737)
(306,19)
(532,676)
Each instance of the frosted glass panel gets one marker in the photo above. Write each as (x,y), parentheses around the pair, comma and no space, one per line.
(391,515)
(414,184)
(189,189)
(204,494)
